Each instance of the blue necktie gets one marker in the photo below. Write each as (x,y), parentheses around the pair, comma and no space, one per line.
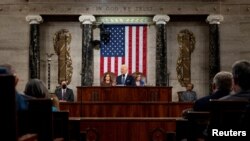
(123,79)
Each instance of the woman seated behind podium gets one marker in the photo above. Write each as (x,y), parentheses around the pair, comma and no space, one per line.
(139,81)
(36,88)
(107,80)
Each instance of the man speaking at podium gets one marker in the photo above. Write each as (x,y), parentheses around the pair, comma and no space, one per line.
(125,79)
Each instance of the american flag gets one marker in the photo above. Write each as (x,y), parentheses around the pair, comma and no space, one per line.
(126,44)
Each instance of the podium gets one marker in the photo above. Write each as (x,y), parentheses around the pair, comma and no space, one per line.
(124,94)
(125,113)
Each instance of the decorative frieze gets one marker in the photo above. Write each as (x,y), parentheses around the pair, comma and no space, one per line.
(125,20)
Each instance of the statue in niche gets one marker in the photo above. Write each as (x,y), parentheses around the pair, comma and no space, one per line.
(186,41)
(61,41)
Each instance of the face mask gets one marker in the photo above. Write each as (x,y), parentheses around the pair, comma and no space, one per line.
(64,86)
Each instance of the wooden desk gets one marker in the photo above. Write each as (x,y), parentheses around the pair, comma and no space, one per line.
(124,128)
(124,113)
(125,94)
(125,109)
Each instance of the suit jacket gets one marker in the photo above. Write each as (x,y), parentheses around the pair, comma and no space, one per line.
(240,96)
(128,82)
(202,104)
(69,96)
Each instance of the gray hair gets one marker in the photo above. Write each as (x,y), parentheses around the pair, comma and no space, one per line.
(36,88)
(223,80)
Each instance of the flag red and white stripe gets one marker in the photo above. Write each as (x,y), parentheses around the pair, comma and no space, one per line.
(135,53)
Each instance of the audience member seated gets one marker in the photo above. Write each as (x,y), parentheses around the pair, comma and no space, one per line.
(35,88)
(64,93)
(21,99)
(222,86)
(231,112)
(139,81)
(125,79)
(189,95)
(108,79)
(241,79)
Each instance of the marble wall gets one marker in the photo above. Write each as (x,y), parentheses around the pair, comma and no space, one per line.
(234,35)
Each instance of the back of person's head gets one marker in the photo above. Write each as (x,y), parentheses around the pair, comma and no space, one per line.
(36,88)
(7,69)
(241,74)
(223,80)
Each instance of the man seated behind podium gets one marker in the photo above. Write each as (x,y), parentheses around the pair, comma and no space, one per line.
(64,93)
(125,79)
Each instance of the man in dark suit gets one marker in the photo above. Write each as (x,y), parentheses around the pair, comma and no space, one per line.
(125,79)
(241,79)
(64,93)
(222,86)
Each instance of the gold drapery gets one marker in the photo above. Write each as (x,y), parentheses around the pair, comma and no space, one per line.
(61,41)
(186,41)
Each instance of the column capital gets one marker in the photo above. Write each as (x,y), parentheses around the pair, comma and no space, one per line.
(34,19)
(215,19)
(87,19)
(161,19)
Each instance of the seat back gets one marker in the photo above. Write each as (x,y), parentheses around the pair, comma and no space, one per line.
(226,115)
(7,107)
(179,93)
(61,125)
(193,126)
(37,119)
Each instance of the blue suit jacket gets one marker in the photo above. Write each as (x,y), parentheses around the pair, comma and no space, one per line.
(128,82)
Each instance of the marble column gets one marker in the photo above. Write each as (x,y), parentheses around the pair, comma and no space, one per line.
(34,47)
(87,50)
(214,46)
(161,50)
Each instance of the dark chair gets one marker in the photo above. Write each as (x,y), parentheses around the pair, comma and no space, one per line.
(179,93)
(229,115)
(7,107)
(61,125)
(37,119)
(193,126)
